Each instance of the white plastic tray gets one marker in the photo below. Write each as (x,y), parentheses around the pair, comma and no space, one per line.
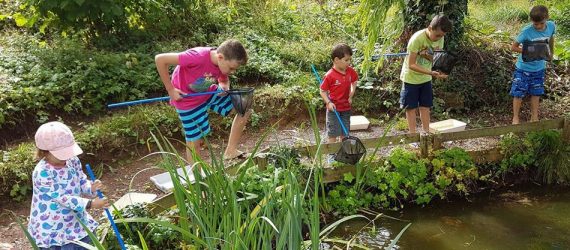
(164,182)
(446,126)
(358,122)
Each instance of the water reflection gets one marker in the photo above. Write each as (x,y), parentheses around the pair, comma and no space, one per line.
(526,218)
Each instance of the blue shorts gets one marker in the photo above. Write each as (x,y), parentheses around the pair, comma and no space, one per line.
(525,83)
(195,121)
(333,126)
(414,95)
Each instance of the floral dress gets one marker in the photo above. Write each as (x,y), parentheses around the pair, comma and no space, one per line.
(57,205)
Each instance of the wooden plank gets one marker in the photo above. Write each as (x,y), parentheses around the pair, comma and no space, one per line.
(424,145)
(485,156)
(496,131)
(337,174)
(566,131)
(392,140)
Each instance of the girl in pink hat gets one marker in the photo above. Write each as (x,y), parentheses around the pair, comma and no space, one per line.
(58,185)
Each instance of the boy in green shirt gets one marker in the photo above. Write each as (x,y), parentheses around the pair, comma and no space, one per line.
(416,72)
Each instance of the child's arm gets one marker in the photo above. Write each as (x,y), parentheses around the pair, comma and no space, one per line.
(516,47)
(353,86)
(425,54)
(352,91)
(328,103)
(224,84)
(163,61)
(87,186)
(551,45)
(415,67)
(47,191)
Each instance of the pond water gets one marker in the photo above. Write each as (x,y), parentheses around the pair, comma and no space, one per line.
(522,218)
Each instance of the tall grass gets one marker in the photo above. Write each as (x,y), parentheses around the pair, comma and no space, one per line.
(215,212)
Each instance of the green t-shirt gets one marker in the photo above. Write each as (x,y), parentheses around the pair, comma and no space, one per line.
(418,42)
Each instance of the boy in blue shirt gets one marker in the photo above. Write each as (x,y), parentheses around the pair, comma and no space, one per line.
(528,78)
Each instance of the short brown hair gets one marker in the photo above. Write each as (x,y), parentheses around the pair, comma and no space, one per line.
(441,22)
(538,13)
(40,154)
(340,50)
(233,50)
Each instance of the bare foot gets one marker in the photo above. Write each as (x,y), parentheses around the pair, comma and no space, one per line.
(236,154)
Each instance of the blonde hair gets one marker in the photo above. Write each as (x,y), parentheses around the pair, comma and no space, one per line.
(40,154)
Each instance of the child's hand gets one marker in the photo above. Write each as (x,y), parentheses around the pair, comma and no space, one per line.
(439,75)
(350,100)
(225,87)
(99,203)
(96,185)
(331,106)
(176,94)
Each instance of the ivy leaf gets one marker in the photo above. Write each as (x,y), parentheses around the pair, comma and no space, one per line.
(348,177)
(20,19)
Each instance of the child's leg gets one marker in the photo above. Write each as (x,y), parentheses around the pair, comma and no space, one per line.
(536,89)
(193,146)
(425,103)
(517,102)
(235,134)
(411,118)
(409,99)
(519,88)
(333,127)
(424,117)
(534,102)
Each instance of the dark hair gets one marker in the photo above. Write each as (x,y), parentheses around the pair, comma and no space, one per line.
(340,50)
(233,50)
(441,22)
(538,13)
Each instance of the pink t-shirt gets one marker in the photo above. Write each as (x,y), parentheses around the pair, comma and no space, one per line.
(195,66)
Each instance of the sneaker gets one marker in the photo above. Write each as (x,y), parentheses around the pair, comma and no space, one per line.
(414,145)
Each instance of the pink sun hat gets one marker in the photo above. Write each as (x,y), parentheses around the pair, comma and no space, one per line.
(58,139)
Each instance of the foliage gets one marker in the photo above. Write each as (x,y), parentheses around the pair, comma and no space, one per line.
(16,166)
(543,152)
(66,77)
(118,24)
(454,171)
(403,177)
(282,156)
(418,15)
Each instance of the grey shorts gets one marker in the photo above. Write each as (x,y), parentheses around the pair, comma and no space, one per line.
(333,127)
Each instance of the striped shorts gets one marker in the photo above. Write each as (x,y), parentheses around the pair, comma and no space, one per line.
(195,121)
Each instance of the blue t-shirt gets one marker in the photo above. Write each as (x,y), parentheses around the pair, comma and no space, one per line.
(530,34)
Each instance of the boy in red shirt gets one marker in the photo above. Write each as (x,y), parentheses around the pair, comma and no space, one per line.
(337,90)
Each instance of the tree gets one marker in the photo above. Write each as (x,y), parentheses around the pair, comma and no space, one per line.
(386,21)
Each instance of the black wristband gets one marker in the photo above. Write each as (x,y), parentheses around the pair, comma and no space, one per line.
(88,205)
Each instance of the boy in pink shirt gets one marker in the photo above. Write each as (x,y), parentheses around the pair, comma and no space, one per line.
(198,70)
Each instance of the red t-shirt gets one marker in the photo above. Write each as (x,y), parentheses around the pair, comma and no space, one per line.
(338,86)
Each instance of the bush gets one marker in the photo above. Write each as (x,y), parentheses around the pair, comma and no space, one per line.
(544,153)
(66,77)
